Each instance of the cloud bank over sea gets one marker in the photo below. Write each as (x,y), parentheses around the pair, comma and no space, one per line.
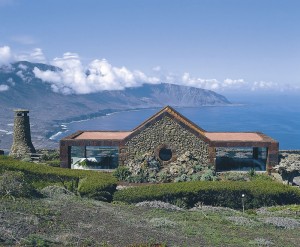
(75,77)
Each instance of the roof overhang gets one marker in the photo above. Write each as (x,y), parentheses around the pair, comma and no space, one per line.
(240,139)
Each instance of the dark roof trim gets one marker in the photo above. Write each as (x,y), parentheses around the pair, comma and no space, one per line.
(176,116)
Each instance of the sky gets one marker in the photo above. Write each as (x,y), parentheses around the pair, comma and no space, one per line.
(222,45)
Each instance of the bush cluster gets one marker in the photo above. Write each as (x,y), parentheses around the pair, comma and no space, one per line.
(16,175)
(48,155)
(227,194)
(152,175)
(13,184)
(92,184)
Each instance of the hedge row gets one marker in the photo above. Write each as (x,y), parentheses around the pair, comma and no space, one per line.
(86,183)
(226,194)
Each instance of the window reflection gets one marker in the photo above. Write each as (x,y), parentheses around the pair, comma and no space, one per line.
(94,157)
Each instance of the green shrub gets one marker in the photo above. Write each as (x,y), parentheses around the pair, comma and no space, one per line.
(54,163)
(48,155)
(251,211)
(252,172)
(36,240)
(221,193)
(261,177)
(13,184)
(198,167)
(139,178)
(209,175)
(163,177)
(235,176)
(85,183)
(182,178)
(121,173)
(26,159)
(196,177)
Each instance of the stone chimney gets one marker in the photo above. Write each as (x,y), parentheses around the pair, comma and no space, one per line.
(22,144)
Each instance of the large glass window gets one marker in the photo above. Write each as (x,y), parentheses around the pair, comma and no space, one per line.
(241,159)
(94,157)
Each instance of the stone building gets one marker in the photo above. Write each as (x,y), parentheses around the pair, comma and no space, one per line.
(168,141)
(22,144)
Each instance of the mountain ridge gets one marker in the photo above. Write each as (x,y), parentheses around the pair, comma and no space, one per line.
(48,108)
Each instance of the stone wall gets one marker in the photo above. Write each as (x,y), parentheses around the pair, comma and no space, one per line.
(187,149)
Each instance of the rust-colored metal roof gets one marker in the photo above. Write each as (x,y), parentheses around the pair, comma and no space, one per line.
(102,135)
(234,136)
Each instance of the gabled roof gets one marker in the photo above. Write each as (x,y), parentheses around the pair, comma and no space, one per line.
(173,114)
(217,139)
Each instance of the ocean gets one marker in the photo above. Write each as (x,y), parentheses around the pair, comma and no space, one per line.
(275,115)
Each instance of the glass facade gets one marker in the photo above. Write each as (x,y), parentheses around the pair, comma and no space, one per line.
(94,157)
(241,159)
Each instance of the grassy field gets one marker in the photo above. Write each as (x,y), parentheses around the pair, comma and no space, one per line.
(48,206)
(66,220)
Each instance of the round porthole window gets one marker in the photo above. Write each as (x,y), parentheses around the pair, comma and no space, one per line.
(165,154)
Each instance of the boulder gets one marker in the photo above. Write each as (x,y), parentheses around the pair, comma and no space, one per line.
(296,180)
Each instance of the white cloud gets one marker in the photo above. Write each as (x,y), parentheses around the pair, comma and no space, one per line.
(234,83)
(22,66)
(11,81)
(74,77)
(35,56)
(5,55)
(99,75)
(271,86)
(156,68)
(210,84)
(228,85)
(21,75)
(3,87)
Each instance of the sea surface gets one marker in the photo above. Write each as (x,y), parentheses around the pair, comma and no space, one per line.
(275,115)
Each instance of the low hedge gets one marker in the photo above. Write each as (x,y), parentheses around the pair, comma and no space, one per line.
(226,194)
(98,185)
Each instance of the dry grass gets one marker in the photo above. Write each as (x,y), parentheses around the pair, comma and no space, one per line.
(72,221)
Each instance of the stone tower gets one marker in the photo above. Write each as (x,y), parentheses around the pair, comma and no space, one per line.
(22,138)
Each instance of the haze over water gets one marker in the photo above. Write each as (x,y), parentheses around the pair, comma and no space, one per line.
(275,115)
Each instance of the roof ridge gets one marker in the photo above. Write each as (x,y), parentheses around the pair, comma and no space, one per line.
(176,115)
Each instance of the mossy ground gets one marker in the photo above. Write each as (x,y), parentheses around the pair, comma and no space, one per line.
(73,221)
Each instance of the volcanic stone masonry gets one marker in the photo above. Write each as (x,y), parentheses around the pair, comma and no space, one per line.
(22,144)
(165,134)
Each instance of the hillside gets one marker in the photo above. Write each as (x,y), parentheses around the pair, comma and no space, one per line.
(21,89)
(50,222)
(41,205)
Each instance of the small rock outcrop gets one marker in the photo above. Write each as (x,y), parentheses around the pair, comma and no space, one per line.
(289,167)
(22,144)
